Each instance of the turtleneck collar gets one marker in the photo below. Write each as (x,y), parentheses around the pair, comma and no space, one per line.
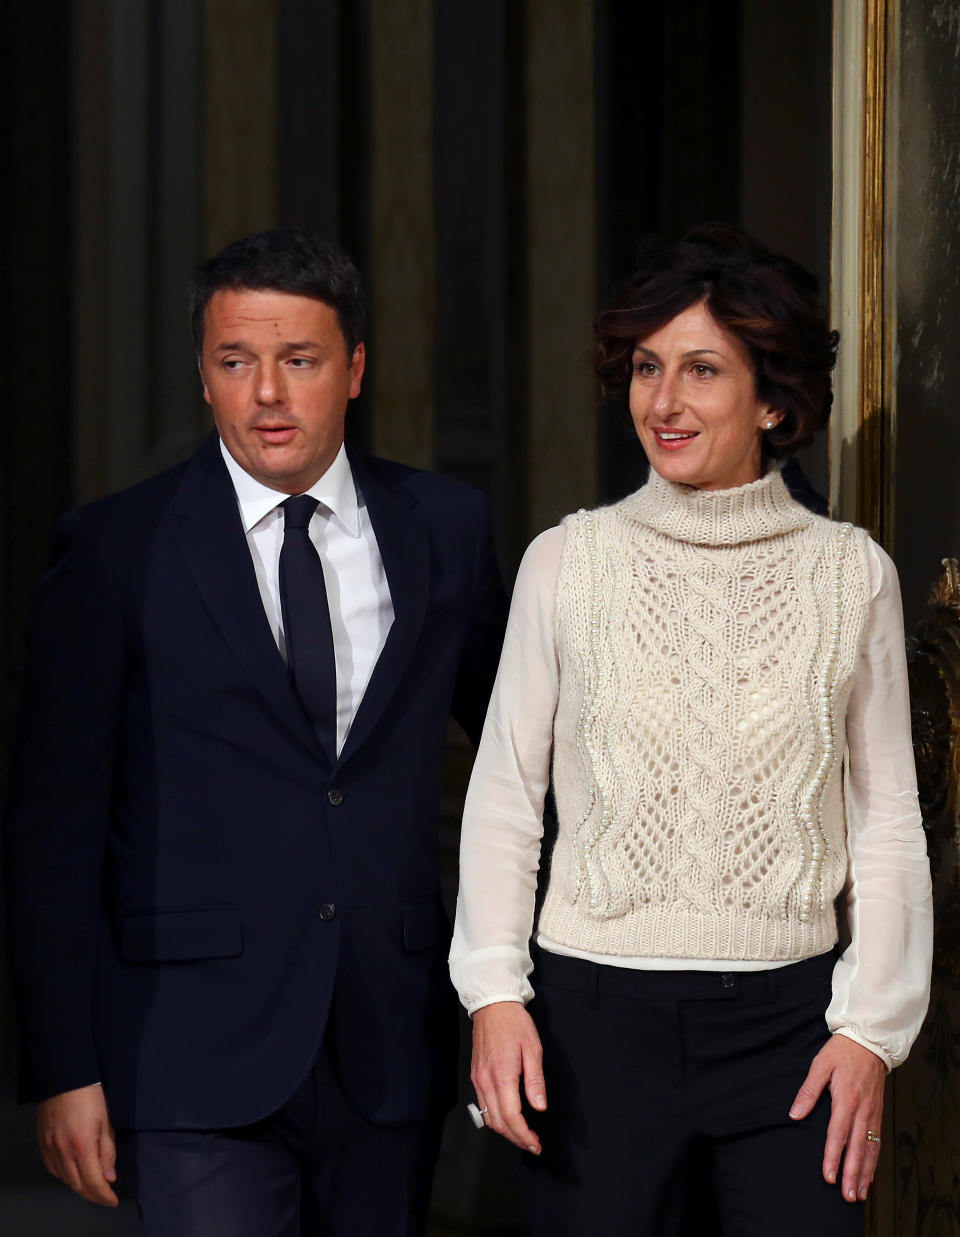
(752,512)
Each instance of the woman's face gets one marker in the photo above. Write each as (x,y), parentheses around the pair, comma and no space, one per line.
(694,403)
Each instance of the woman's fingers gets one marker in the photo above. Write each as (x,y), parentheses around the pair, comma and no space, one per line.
(856,1078)
(506,1118)
(838,1130)
(871,1154)
(534,1082)
(811,1088)
(860,1162)
(506,1048)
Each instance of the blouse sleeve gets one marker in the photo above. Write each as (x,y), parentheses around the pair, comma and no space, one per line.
(503,812)
(881,984)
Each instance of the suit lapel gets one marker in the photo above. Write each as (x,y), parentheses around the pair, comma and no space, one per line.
(404,552)
(209,535)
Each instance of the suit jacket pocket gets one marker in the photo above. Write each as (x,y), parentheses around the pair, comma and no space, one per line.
(421,925)
(181,935)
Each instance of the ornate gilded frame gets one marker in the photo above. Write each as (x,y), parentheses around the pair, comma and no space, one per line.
(862,293)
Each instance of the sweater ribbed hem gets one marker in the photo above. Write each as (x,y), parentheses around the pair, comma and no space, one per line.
(684,932)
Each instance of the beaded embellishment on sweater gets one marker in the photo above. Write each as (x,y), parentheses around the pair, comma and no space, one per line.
(707,645)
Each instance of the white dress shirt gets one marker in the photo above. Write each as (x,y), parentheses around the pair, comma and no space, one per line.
(880,984)
(361,610)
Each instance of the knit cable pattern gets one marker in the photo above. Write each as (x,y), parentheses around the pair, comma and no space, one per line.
(707,645)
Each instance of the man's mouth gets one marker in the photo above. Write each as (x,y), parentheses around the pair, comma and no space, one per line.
(275,433)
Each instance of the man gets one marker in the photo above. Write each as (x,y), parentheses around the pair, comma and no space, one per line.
(227,937)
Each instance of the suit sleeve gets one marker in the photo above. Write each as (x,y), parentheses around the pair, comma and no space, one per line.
(58,811)
(481,650)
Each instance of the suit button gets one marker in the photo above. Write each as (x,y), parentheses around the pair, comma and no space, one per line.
(327,911)
(335,796)
(727,980)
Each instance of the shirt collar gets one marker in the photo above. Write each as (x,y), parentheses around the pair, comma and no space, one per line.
(335,489)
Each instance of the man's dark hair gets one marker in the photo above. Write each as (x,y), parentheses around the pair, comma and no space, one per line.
(769,301)
(283,260)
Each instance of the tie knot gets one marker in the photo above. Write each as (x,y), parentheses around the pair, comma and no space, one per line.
(297,512)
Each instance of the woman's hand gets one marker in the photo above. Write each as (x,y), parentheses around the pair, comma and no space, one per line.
(855,1076)
(506,1047)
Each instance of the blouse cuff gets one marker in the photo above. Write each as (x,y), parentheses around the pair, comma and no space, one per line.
(887,1058)
(483,1002)
(485,976)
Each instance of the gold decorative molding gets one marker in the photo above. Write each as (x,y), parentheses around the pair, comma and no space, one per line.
(874,440)
(865,103)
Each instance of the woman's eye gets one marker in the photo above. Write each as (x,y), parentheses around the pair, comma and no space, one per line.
(644,369)
(702,370)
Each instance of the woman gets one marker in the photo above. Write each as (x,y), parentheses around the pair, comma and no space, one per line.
(715,678)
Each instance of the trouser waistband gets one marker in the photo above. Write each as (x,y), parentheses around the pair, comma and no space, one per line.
(599,979)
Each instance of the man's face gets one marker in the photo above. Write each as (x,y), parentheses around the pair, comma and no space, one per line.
(277,374)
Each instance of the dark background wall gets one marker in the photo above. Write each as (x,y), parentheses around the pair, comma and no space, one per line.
(927,274)
(490,166)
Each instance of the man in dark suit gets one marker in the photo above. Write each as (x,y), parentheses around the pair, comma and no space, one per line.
(228,944)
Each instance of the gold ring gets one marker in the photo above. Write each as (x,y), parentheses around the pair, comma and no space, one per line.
(872,1136)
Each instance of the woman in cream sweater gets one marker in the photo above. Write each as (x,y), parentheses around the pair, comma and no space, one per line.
(714,679)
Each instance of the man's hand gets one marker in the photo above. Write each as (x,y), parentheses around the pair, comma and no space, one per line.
(506,1046)
(77,1145)
(855,1076)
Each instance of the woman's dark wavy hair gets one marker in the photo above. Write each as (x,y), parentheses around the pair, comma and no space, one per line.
(768,301)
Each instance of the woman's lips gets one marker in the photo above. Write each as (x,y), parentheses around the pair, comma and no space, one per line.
(674,440)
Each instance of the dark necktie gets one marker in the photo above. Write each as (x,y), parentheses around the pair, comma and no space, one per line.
(306,622)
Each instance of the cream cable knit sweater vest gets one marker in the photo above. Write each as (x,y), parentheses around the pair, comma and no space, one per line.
(707,643)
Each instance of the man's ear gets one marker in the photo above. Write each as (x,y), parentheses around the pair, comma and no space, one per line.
(203,381)
(358,363)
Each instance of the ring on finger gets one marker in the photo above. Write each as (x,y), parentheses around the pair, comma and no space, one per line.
(477,1115)
(873,1136)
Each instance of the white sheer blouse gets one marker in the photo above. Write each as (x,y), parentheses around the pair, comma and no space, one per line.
(881,982)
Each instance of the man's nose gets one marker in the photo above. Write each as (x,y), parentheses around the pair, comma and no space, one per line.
(271,389)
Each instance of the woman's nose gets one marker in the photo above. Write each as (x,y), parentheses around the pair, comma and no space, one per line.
(666,399)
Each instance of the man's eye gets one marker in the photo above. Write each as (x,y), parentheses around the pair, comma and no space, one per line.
(232,363)
(300,362)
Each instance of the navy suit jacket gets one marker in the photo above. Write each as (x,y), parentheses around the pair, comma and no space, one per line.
(195,895)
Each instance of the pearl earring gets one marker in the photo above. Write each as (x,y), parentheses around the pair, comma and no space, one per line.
(769,425)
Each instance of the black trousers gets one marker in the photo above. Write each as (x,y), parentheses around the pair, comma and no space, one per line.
(664,1086)
(315,1168)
